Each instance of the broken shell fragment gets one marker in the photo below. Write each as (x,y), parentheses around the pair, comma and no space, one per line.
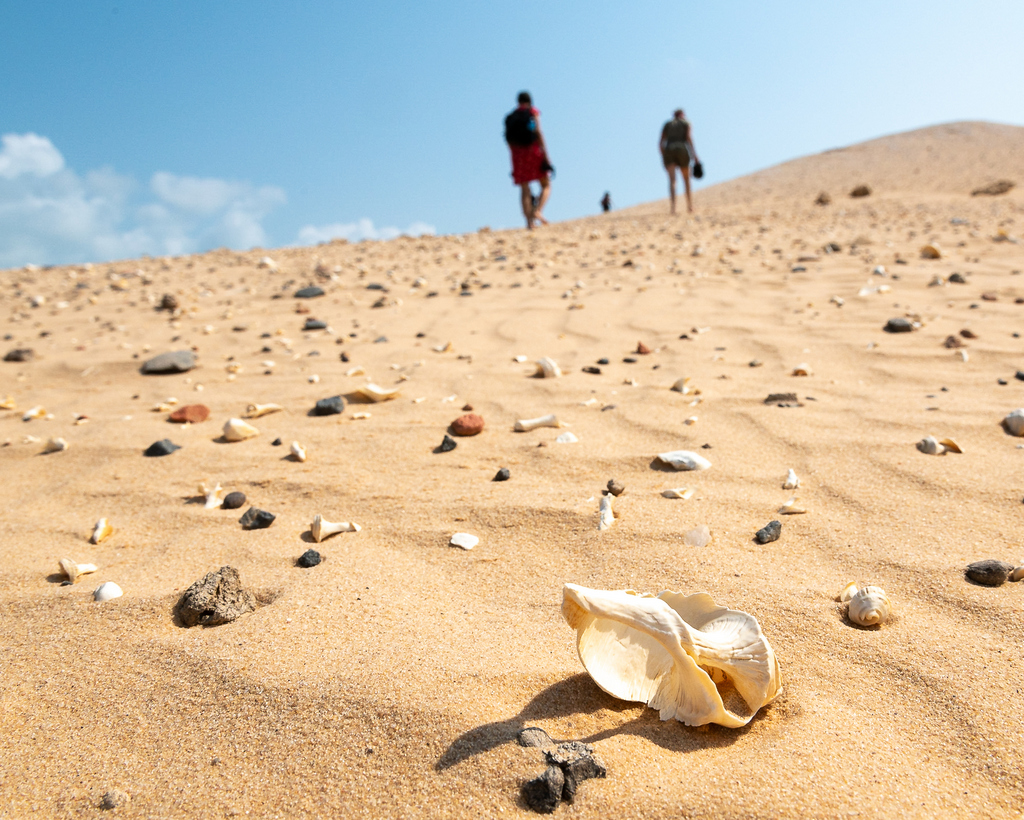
(868,606)
(698,537)
(950,445)
(525,425)
(375,393)
(684,386)
(254,411)
(929,445)
(55,445)
(1017,574)
(73,570)
(1014,422)
(802,370)
(547,368)
(8,403)
(673,652)
(212,495)
(100,531)
(792,481)
(931,252)
(606,516)
(320,528)
(793,507)
(238,430)
(463,540)
(684,460)
(107,591)
(568,437)
(37,412)
(298,451)
(684,493)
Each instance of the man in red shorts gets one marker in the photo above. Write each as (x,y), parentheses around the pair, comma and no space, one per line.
(529,158)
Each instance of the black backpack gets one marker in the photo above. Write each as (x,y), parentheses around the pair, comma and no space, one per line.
(521,128)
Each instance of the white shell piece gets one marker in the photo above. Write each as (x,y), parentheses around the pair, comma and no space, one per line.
(689,421)
(525,425)
(35,413)
(793,507)
(684,493)
(848,592)
(698,536)
(107,591)
(792,481)
(464,540)
(567,438)
(55,445)
(73,570)
(1014,422)
(213,496)
(869,606)
(254,411)
(672,652)
(320,528)
(100,531)
(931,446)
(1017,574)
(238,430)
(607,516)
(519,359)
(298,451)
(548,368)
(374,392)
(683,386)
(684,460)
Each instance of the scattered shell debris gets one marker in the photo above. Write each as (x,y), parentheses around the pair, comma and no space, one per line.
(254,411)
(376,393)
(548,368)
(463,540)
(525,425)
(684,460)
(213,497)
(792,481)
(321,528)
(73,570)
(238,430)
(101,531)
(606,516)
(297,451)
(685,493)
(793,506)
(107,591)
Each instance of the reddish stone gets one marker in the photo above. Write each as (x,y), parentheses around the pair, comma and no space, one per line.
(193,413)
(642,349)
(468,425)
(990,296)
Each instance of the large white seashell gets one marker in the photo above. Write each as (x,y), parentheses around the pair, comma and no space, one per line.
(107,591)
(298,451)
(1014,422)
(254,411)
(869,606)
(238,430)
(212,495)
(100,531)
(73,570)
(525,425)
(606,516)
(793,507)
(373,392)
(463,540)
(673,652)
(548,368)
(792,481)
(684,460)
(320,528)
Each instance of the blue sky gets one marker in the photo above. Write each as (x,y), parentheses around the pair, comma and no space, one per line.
(134,127)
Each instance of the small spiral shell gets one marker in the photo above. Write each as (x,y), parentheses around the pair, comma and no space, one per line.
(869,607)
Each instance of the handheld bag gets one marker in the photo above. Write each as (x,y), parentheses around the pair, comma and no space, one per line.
(698,170)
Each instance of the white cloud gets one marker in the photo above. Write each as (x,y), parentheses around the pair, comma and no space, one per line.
(354,231)
(49,214)
(28,154)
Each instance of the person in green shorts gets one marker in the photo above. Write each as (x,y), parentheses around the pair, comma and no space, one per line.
(676,147)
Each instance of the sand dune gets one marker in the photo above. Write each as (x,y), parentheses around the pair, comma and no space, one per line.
(393,678)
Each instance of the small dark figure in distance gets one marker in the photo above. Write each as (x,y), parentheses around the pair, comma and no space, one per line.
(676,148)
(606,202)
(529,158)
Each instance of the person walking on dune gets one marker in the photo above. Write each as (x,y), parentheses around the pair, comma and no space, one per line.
(529,158)
(676,147)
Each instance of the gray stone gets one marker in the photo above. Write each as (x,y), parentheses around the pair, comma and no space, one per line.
(333,406)
(256,519)
(217,598)
(578,763)
(769,532)
(616,488)
(898,325)
(447,445)
(232,501)
(957,279)
(783,400)
(310,558)
(502,475)
(168,302)
(24,354)
(534,737)
(315,324)
(309,293)
(178,361)
(990,572)
(114,799)
(544,793)
(164,447)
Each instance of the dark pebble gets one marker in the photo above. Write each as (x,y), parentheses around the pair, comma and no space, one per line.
(232,501)
(169,302)
(380,340)
(1001,381)
(164,447)
(609,407)
(705,447)
(783,400)
(315,324)
(769,532)
(616,488)
(591,369)
(578,763)
(990,572)
(308,559)
(24,354)
(376,286)
(502,475)
(447,445)
(179,361)
(276,442)
(958,278)
(1019,375)
(332,406)
(898,325)
(534,737)
(603,361)
(256,519)
(544,793)
(309,293)
(630,360)
(343,356)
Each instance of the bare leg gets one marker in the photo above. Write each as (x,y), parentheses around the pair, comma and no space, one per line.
(685,171)
(672,185)
(527,201)
(545,192)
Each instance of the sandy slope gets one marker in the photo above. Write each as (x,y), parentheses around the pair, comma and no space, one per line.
(391,680)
